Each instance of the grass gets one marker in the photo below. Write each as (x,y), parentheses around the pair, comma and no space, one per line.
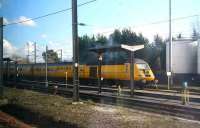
(89,114)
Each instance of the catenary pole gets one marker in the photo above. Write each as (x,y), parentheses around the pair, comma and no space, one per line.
(28,53)
(35,53)
(46,67)
(170,79)
(1,56)
(61,55)
(75,52)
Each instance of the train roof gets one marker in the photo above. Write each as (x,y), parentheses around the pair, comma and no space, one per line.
(117,63)
(139,61)
(70,63)
(49,64)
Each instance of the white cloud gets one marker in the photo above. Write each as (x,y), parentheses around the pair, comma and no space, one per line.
(66,47)
(23,21)
(5,21)
(8,48)
(29,47)
(44,36)
(26,21)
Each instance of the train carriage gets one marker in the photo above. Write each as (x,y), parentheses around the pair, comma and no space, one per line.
(114,74)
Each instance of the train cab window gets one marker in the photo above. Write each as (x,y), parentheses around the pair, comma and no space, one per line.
(143,66)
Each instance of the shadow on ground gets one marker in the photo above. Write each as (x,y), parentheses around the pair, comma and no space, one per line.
(34,118)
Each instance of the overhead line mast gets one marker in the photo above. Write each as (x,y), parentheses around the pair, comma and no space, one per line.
(170,73)
(1,56)
(75,51)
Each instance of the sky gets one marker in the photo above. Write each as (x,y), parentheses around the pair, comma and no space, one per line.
(101,17)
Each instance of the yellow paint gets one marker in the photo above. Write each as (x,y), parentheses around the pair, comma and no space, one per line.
(117,72)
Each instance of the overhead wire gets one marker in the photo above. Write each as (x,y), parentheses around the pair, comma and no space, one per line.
(49,14)
(146,24)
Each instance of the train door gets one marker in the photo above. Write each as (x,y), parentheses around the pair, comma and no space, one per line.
(93,75)
(93,72)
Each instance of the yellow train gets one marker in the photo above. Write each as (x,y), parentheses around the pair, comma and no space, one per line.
(117,73)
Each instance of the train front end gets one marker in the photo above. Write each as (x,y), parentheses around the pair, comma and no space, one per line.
(145,74)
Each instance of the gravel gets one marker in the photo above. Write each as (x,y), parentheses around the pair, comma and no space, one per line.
(89,114)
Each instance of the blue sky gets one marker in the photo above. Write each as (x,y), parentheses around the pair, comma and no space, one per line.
(102,16)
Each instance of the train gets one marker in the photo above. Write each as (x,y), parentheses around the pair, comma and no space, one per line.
(111,74)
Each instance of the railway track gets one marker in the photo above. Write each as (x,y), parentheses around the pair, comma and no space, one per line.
(142,102)
(154,93)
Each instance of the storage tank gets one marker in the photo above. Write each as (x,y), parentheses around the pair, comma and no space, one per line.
(184,57)
(198,58)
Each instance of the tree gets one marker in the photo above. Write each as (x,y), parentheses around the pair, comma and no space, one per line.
(85,43)
(158,59)
(101,40)
(129,37)
(52,56)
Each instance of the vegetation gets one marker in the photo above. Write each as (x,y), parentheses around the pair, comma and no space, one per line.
(52,56)
(154,53)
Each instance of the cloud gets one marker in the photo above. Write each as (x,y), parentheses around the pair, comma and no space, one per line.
(8,49)
(66,47)
(44,36)
(26,21)
(29,47)
(5,21)
(22,20)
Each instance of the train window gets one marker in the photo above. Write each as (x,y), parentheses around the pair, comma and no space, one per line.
(142,66)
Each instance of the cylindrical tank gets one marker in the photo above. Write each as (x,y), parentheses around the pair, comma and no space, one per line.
(198,58)
(184,57)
